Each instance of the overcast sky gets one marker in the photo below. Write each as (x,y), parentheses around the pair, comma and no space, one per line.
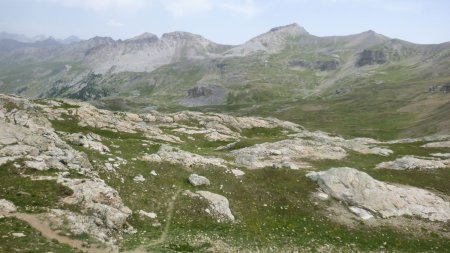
(227,21)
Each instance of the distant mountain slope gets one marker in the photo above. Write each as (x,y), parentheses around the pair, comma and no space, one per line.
(286,67)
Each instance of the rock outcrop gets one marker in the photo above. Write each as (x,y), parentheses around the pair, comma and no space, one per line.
(26,134)
(439,144)
(286,153)
(370,57)
(358,189)
(98,198)
(412,163)
(187,159)
(90,141)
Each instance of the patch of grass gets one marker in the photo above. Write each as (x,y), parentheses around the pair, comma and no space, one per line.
(28,195)
(9,106)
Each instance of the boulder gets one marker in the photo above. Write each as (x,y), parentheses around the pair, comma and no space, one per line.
(150,215)
(139,179)
(218,206)
(197,180)
(358,189)
(7,206)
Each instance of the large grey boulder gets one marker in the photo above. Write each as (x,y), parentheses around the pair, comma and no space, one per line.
(219,207)
(358,189)
(197,180)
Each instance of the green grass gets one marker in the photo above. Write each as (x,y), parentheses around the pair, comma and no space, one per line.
(28,195)
(298,225)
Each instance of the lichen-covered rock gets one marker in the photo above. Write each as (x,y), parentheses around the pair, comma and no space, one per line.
(197,180)
(360,190)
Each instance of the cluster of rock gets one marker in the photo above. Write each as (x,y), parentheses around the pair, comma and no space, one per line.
(214,126)
(412,163)
(367,196)
(28,137)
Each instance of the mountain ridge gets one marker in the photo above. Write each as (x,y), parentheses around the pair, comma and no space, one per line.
(283,65)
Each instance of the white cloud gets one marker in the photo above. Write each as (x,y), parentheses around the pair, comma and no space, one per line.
(403,6)
(114,23)
(248,8)
(99,5)
(181,8)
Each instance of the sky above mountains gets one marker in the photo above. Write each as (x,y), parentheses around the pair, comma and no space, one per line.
(227,21)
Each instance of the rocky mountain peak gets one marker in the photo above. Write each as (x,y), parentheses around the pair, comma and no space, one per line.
(150,37)
(177,36)
(292,29)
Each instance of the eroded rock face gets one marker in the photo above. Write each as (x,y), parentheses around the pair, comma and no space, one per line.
(360,190)
(414,163)
(370,57)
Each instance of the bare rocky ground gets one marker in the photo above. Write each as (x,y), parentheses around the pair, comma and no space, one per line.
(197,182)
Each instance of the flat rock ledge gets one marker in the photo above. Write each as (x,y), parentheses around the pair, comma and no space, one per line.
(370,196)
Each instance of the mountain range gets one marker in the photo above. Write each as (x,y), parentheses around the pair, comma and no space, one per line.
(362,84)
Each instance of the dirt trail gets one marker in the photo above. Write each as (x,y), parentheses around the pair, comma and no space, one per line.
(47,232)
(165,232)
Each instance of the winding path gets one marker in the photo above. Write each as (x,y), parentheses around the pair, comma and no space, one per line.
(47,232)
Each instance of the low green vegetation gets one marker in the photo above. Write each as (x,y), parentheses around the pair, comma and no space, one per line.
(28,195)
